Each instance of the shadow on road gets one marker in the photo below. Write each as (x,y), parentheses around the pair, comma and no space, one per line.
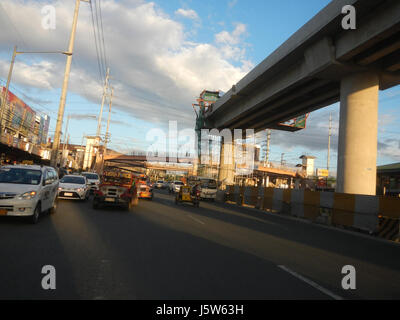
(160,262)
(353,246)
(24,250)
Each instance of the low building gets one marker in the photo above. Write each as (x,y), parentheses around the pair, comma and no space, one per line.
(388,180)
(23,131)
(308,165)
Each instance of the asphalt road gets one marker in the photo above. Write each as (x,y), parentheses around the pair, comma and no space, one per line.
(164,251)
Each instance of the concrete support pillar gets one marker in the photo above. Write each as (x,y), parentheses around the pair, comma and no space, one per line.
(358,130)
(195,167)
(227,164)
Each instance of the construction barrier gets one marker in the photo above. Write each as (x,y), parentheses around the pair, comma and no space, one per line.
(374,214)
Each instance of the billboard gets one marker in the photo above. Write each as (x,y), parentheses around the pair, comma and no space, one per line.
(294,124)
(19,115)
(22,118)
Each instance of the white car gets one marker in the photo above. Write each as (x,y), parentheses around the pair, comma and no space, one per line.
(73,187)
(93,180)
(28,190)
(175,186)
(208,189)
(159,184)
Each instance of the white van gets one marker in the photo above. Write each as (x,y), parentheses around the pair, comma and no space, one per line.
(28,190)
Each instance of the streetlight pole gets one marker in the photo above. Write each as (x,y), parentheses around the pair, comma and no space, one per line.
(56,142)
(5,94)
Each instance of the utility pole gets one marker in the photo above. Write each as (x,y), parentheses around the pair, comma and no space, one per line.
(3,105)
(62,159)
(105,88)
(98,132)
(282,161)
(266,179)
(329,147)
(108,127)
(268,143)
(65,139)
(5,94)
(329,142)
(60,116)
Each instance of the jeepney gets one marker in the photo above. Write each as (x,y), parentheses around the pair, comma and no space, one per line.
(117,188)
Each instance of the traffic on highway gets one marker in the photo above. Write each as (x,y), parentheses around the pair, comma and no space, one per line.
(203,155)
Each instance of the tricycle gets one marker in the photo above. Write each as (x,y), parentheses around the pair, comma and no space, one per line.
(189,195)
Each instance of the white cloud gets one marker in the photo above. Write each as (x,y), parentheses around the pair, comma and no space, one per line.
(232,3)
(389,148)
(157,72)
(231,44)
(187,13)
(233,38)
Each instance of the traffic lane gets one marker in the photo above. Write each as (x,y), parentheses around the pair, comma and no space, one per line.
(24,250)
(315,252)
(98,273)
(84,263)
(163,262)
(113,254)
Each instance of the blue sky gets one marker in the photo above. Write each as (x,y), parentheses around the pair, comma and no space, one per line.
(162,54)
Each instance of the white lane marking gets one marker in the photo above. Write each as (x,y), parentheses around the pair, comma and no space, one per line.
(197,220)
(311,283)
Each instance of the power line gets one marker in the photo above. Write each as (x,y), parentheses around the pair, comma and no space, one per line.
(98,35)
(102,35)
(13,25)
(96,44)
(15,89)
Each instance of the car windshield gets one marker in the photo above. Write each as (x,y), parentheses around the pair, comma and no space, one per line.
(74,180)
(209,184)
(20,176)
(117,180)
(179,183)
(160,181)
(91,176)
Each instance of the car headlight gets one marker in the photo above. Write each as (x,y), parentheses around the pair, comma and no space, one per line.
(79,189)
(27,195)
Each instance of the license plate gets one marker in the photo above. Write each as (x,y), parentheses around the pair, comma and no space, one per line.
(3,212)
(109,199)
(67,194)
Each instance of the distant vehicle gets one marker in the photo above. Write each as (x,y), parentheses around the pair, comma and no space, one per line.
(117,188)
(144,188)
(188,194)
(208,187)
(93,180)
(28,190)
(166,185)
(62,172)
(142,178)
(175,186)
(73,187)
(145,191)
(159,184)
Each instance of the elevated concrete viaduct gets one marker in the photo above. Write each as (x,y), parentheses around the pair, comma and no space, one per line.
(317,66)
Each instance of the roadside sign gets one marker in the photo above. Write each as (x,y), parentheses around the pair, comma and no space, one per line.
(322,173)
